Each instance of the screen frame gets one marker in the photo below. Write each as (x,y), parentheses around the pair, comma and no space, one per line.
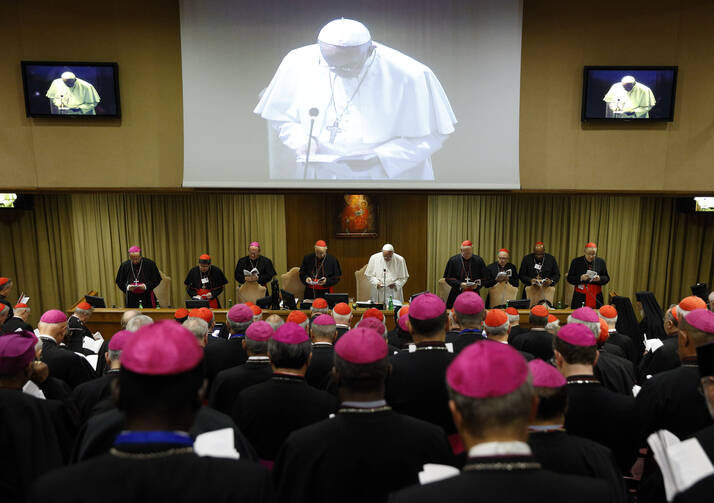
(24,64)
(588,68)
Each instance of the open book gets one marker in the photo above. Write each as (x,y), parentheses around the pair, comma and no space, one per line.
(682,463)
(252,272)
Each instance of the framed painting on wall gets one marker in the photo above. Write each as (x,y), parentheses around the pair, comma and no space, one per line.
(357,216)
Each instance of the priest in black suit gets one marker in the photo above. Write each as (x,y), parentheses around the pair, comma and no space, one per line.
(160,393)
(323,333)
(64,364)
(5,287)
(671,400)
(18,321)
(468,314)
(137,278)
(36,435)
(555,448)
(416,385)
(665,357)
(319,271)
(539,267)
(465,272)
(492,403)
(229,383)
(268,412)
(205,282)
(255,261)
(223,354)
(537,341)
(77,329)
(587,274)
(367,450)
(609,314)
(502,270)
(594,411)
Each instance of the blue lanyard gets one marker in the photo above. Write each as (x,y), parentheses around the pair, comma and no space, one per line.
(237,336)
(471,331)
(153,437)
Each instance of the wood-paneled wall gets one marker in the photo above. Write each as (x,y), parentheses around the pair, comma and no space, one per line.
(402,222)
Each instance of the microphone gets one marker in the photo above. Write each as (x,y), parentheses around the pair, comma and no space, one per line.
(313,112)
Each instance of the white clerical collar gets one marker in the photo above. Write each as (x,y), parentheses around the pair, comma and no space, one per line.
(322,344)
(48,337)
(258,358)
(341,325)
(611,330)
(487,449)
(364,405)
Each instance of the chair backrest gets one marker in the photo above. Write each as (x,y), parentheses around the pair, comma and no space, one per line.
(500,293)
(569,289)
(443,289)
(163,290)
(538,293)
(290,282)
(250,291)
(364,289)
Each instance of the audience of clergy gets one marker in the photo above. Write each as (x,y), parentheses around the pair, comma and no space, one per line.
(365,408)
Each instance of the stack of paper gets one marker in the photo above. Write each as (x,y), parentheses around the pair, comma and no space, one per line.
(682,464)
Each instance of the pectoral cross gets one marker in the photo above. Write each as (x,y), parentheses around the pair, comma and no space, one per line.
(334,129)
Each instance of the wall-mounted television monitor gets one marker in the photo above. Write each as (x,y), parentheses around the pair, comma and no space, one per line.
(69,89)
(629,93)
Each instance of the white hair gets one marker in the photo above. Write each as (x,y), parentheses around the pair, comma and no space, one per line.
(593,326)
(83,312)
(21,310)
(514,318)
(342,319)
(499,330)
(197,326)
(5,309)
(609,321)
(137,322)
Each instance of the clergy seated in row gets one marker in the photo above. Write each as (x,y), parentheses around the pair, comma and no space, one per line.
(366,450)
(268,412)
(319,306)
(537,341)
(299,318)
(323,333)
(254,267)
(36,434)
(514,320)
(702,490)
(381,329)
(160,390)
(229,383)
(608,313)
(492,402)
(199,328)
(342,313)
(594,412)
(4,313)
(275,321)
(95,396)
(553,324)
(671,400)
(205,282)
(18,321)
(226,353)
(496,327)
(666,357)
(138,321)
(468,314)
(416,385)
(555,448)
(399,337)
(63,363)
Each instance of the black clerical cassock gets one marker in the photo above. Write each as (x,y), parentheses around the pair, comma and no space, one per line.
(459,270)
(315,268)
(264,265)
(543,268)
(201,283)
(587,292)
(145,272)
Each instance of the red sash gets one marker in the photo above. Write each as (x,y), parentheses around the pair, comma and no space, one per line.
(591,292)
(212,302)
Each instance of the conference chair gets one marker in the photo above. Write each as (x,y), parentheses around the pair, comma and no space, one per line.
(163,291)
(290,282)
(364,290)
(443,289)
(537,294)
(250,291)
(499,294)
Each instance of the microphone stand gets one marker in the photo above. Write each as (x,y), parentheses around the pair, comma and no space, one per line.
(313,113)
(384,287)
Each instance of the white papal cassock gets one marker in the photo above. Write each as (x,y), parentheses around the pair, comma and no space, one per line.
(396,272)
(398,117)
(82,95)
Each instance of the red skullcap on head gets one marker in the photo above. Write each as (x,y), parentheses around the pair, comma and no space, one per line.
(320,243)
(373,312)
(84,306)
(539,243)
(608,311)
(297,317)
(204,259)
(539,310)
(342,309)
(403,310)
(20,305)
(512,311)
(467,244)
(181,313)
(553,318)
(691,303)
(591,245)
(319,303)
(256,310)
(4,281)
(496,318)
(504,250)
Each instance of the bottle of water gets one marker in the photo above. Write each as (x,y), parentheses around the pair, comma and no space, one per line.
(391,303)
(158,306)
(141,305)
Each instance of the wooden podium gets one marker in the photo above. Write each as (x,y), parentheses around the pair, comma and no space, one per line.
(537,294)
(499,294)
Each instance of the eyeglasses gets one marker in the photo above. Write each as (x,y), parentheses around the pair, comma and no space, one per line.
(705,380)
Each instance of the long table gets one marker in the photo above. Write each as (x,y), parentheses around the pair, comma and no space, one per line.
(107,321)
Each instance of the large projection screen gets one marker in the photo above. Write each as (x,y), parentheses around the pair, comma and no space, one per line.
(432,102)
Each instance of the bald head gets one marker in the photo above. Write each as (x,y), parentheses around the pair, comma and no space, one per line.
(274,320)
(128,315)
(55,330)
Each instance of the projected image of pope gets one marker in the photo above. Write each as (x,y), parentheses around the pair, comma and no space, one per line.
(379,114)
(628,99)
(72,96)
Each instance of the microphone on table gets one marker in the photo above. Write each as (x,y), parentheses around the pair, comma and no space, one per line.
(313,112)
